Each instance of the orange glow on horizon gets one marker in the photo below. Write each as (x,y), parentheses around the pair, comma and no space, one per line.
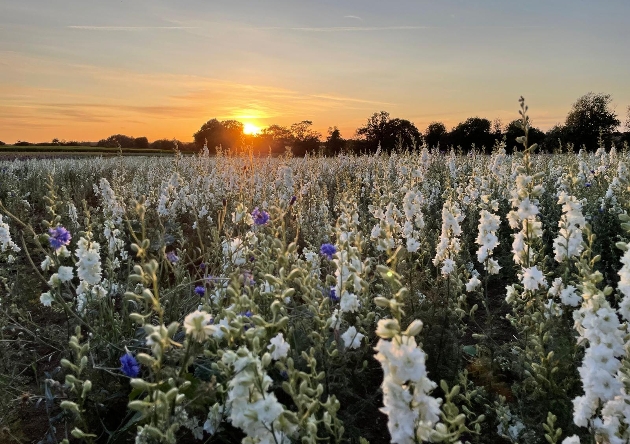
(251,129)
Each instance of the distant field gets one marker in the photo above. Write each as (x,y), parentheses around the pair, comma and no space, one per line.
(12,151)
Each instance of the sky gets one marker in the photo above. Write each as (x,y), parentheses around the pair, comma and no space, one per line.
(87,69)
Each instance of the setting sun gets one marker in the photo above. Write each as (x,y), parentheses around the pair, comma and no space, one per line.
(250,128)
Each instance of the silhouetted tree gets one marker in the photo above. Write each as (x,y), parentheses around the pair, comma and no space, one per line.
(227,134)
(435,135)
(379,128)
(117,140)
(590,114)
(514,130)
(305,139)
(554,137)
(274,138)
(474,130)
(163,144)
(334,142)
(2,143)
(141,142)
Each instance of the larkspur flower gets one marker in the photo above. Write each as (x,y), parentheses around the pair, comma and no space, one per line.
(260,217)
(129,366)
(328,250)
(333,294)
(58,237)
(200,290)
(278,346)
(199,325)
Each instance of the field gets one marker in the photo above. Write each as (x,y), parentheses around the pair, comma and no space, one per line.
(404,297)
(25,152)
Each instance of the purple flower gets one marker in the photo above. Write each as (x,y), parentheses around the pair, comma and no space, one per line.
(59,237)
(260,217)
(333,294)
(200,290)
(202,266)
(293,199)
(328,250)
(129,366)
(172,257)
(248,278)
(587,184)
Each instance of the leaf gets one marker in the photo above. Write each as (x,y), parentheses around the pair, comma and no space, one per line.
(470,350)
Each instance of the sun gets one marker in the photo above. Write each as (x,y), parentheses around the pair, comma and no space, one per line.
(250,128)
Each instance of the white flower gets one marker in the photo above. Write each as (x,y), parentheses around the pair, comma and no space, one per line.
(278,346)
(571,440)
(349,302)
(352,338)
(65,273)
(46,263)
(473,283)
(533,278)
(46,299)
(198,325)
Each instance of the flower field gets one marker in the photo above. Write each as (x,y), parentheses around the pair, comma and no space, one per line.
(417,296)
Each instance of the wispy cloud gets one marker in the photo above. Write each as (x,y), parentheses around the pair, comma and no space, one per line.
(128,28)
(348,28)
(356,17)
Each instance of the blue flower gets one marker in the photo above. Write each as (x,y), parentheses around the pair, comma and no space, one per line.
(333,294)
(171,256)
(328,250)
(293,199)
(59,237)
(129,366)
(587,184)
(202,266)
(200,290)
(260,217)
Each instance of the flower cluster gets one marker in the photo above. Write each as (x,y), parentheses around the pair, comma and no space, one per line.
(412,412)
(449,246)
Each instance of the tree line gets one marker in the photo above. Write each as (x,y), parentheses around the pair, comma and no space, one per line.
(590,119)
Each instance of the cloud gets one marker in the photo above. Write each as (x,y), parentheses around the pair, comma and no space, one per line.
(128,28)
(355,17)
(348,28)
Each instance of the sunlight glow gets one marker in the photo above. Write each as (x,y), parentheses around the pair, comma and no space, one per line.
(250,128)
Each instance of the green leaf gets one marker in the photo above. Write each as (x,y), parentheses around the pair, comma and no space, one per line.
(470,350)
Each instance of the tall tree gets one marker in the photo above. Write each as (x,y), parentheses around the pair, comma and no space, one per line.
(227,134)
(435,135)
(380,129)
(305,139)
(474,130)
(334,142)
(590,114)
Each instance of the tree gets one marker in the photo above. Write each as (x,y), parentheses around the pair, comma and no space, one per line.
(590,114)
(305,139)
(2,143)
(141,142)
(435,135)
(334,142)
(380,129)
(275,138)
(117,140)
(514,130)
(164,144)
(227,134)
(473,130)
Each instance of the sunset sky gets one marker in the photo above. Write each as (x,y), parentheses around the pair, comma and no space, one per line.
(86,69)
